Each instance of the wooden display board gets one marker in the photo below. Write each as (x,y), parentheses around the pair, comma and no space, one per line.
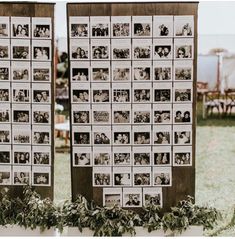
(28,30)
(169,95)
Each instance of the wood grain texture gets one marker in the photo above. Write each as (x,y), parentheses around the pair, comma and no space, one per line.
(35,10)
(183,182)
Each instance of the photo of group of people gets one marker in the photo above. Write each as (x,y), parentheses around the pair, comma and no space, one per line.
(135,74)
(25,100)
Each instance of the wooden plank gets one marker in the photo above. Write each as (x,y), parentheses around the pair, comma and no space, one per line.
(82,9)
(120,9)
(100,9)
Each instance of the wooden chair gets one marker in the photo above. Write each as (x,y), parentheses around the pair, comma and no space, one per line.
(230,102)
(213,100)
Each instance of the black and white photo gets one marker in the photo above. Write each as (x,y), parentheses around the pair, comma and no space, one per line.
(41,158)
(141,176)
(183,70)
(100,74)
(142,95)
(20,49)
(142,26)
(163,49)
(21,175)
(41,96)
(79,27)
(142,49)
(121,176)
(182,156)
(79,49)
(4,27)
(100,26)
(141,73)
(162,114)
(121,49)
(82,157)
(112,196)
(21,157)
(142,117)
(81,95)
(121,156)
(21,116)
(121,71)
(121,137)
(120,30)
(162,26)
(102,158)
(41,117)
(41,176)
(41,27)
(101,138)
(20,71)
(182,137)
(102,176)
(142,137)
(82,136)
(20,95)
(21,135)
(20,27)
(4,94)
(162,134)
(183,49)
(121,95)
(41,72)
(152,197)
(41,137)
(162,70)
(5,71)
(5,134)
(183,95)
(142,156)
(5,175)
(81,117)
(162,158)
(41,53)
(5,154)
(182,116)
(100,96)
(5,113)
(132,197)
(184,26)
(162,176)
(100,52)
(101,114)
(121,116)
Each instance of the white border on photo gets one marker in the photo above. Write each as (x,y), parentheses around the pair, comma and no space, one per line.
(104,171)
(122,170)
(143,108)
(21,149)
(81,129)
(5,43)
(120,87)
(183,86)
(103,112)
(79,20)
(188,45)
(100,130)
(16,66)
(81,108)
(164,108)
(5,64)
(181,27)
(96,43)
(168,42)
(18,87)
(112,192)
(82,66)
(83,44)
(41,21)
(5,20)
(121,44)
(19,131)
(182,65)
(159,170)
(141,150)
(133,192)
(21,169)
(162,86)
(41,66)
(41,149)
(82,150)
(152,192)
(99,20)
(44,108)
(121,129)
(123,108)
(136,74)
(20,43)
(163,24)
(20,21)
(6,169)
(6,86)
(41,129)
(98,87)
(143,44)
(41,87)
(102,65)
(183,128)
(120,20)
(3,149)
(142,170)
(140,129)
(80,86)
(183,108)
(3,108)
(5,127)
(142,20)
(162,129)
(44,170)
(161,150)
(162,65)
(102,150)
(141,86)
(122,150)
(21,107)
(42,44)
(182,150)
(123,66)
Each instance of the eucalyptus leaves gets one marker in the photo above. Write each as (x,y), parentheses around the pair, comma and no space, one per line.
(32,211)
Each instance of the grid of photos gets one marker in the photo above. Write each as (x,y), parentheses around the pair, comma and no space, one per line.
(131,81)
(25,101)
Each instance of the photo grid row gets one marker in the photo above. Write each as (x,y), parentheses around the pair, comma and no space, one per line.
(131,82)
(25,115)
(132,197)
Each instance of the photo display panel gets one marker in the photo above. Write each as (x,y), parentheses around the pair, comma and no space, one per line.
(26,98)
(132,95)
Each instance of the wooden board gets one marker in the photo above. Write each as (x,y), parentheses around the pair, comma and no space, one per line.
(27,9)
(183,177)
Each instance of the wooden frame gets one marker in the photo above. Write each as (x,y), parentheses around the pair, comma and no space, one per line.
(183,177)
(34,9)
